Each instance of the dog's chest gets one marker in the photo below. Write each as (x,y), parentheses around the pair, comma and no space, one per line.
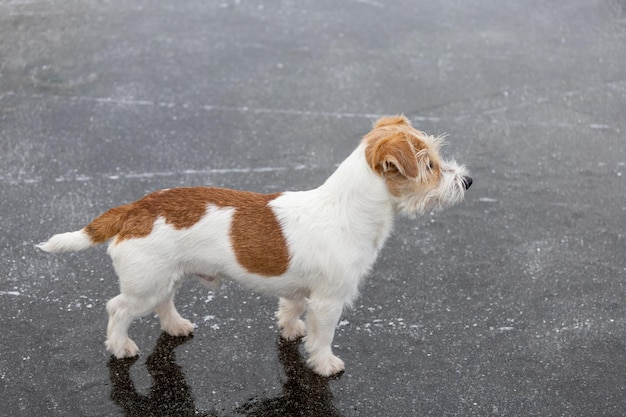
(323,236)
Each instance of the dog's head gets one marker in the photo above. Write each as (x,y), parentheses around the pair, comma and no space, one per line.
(409,162)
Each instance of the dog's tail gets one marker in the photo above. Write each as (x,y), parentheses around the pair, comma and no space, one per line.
(101,229)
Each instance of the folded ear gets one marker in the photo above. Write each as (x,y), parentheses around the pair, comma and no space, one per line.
(391,120)
(393,154)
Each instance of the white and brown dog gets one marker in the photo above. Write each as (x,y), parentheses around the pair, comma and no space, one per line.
(310,248)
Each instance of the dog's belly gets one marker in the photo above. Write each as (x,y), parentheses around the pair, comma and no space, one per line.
(286,285)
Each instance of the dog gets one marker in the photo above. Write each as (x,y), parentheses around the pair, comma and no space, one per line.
(310,248)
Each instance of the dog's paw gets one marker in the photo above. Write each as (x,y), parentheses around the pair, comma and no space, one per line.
(292,331)
(122,349)
(181,327)
(326,365)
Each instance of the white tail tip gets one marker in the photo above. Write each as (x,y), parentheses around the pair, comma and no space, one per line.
(67,242)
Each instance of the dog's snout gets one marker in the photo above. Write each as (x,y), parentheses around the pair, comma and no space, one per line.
(467,182)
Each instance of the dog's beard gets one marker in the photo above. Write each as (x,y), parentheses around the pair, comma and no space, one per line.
(449,191)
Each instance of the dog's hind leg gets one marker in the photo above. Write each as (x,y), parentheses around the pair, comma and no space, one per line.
(171,321)
(321,319)
(142,290)
(123,309)
(288,315)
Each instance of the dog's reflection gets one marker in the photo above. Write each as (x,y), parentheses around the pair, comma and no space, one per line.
(304,393)
(169,395)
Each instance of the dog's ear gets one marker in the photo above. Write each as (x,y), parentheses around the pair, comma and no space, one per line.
(391,120)
(393,155)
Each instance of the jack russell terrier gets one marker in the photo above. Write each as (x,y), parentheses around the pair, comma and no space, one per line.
(310,248)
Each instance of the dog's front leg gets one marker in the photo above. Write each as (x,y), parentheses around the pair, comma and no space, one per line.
(322,317)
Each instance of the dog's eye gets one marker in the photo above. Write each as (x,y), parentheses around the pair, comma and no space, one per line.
(431,166)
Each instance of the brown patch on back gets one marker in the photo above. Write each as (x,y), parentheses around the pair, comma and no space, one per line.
(256,235)
(180,207)
(108,224)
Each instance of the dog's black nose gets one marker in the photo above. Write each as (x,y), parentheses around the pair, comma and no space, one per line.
(467,182)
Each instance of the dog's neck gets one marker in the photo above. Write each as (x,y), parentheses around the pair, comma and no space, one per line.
(360,197)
